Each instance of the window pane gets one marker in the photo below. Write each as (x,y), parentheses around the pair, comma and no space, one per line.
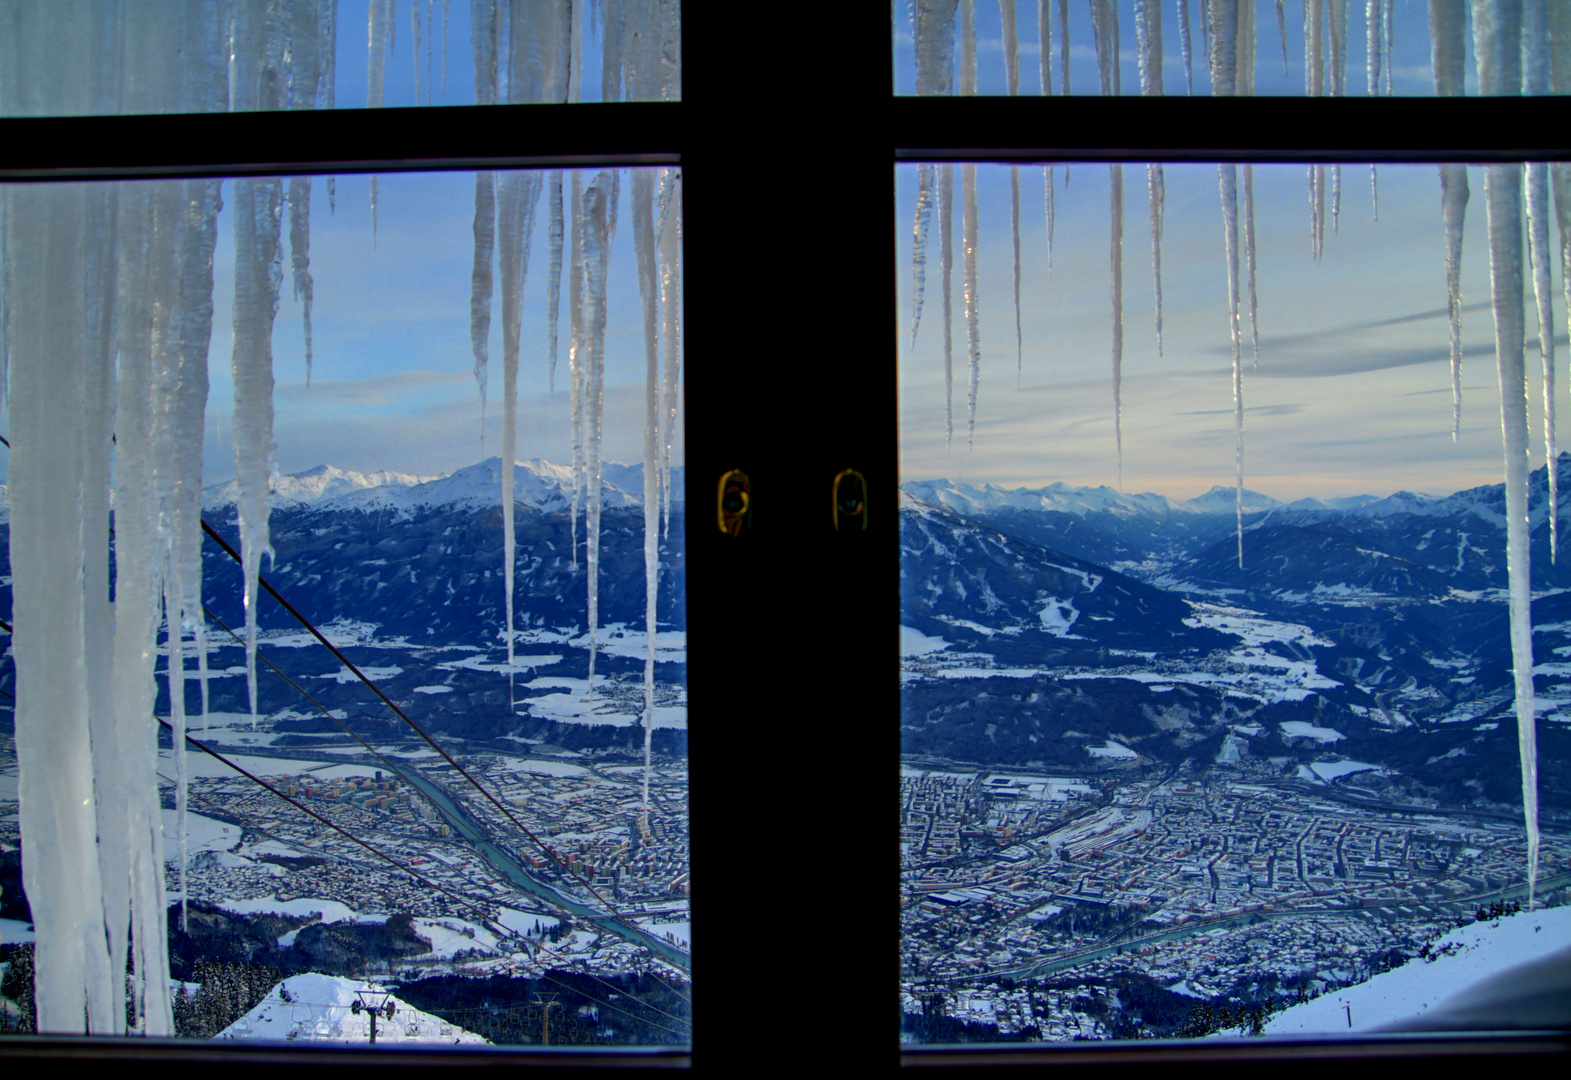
(500,841)
(1317,49)
(1209,717)
(90,57)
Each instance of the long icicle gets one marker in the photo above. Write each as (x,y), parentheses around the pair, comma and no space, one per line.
(1228,177)
(973,296)
(1148,38)
(946,266)
(643,195)
(1281,30)
(1006,13)
(1535,82)
(480,284)
(926,175)
(1186,46)
(1063,45)
(1044,34)
(300,255)
(575,343)
(553,274)
(599,211)
(1497,38)
(1249,259)
(670,327)
(519,194)
(1116,268)
(1448,57)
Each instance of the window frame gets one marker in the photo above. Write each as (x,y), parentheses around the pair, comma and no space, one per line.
(792,606)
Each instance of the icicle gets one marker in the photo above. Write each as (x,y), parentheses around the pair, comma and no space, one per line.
(648,287)
(1389,19)
(973,297)
(1014,222)
(1535,81)
(1063,45)
(1336,20)
(671,325)
(1247,48)
(1006,11)
(1047,209)
(1448,52)
(1314,48)
(599,214)
(946,265)
(1224,47)
(553,302)
(1104,24)
(444,47)
(575,343)
(1156,188)
(1249,259)
(258,206)
(50,235)
(1186,46)
(925,178)
(1317,210)
(1148,36)
(300,254)
(1281,30)
(1011,31)
(1374,189)
(380,18)
(1374,38)
(1228,177)
(968,47)
(1336,197)
(519,194)
(1116,259)
(1148,39)
(1503,194)
(480,284)
(1044,35)
(414,53)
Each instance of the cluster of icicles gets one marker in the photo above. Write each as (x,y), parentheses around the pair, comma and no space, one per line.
(106,317)
(1522,47)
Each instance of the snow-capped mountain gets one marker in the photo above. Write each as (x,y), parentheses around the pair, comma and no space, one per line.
(320,1008)
(536,483)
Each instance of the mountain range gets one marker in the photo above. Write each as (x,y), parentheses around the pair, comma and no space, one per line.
(1362,643)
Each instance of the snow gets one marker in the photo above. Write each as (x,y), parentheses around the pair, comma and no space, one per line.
(203,833)
(319,1009)
(1111,750)
(433,689)
(1330,770)
(1462,958)
(15,932)
(915,643)
(1306,730)
(329,911)
(681,931)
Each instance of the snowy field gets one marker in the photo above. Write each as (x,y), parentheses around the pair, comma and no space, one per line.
(319,1008)
(1461,959)
(202,834)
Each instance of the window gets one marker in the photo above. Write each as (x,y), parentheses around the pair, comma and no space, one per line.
(956,930)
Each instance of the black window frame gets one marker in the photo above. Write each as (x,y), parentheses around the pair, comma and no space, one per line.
(787,146)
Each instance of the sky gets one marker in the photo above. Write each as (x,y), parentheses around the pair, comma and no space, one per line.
(1352,393)
(1410,58)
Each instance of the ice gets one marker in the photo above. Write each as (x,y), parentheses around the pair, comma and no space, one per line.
(670,235)
(1374,18)
(598,221)
(1336,198)
(946,264)
(1187,48)
(1249,259)
(300,255)
(258,273)
(380,16)
(1047,209)
(926,176)
(1116,262)
(643,196)
(1011,32)
(1224,46)
(480,284)
(1503,195)
(52,360)
(553,304)
(1063,46)
(575,344)
(517,199)
(1228,178)
(1014,224)
(973,298)
(1543,293)
(1453,208)
(968,47)
(933,30)
(1156,189)
(1148,40)
(1104,26)
(1044,32)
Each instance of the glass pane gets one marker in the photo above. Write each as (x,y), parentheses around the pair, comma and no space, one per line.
(1210,693)
(92,57)
(491,826)
(1317,49)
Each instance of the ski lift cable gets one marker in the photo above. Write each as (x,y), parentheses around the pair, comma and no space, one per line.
(377,690)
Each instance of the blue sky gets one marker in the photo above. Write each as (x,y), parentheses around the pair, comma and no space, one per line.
(1352,392)
(1413,76)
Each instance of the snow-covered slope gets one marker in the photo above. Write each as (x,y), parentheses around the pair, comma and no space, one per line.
(318,1008)
(1459,960)
(320,484)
